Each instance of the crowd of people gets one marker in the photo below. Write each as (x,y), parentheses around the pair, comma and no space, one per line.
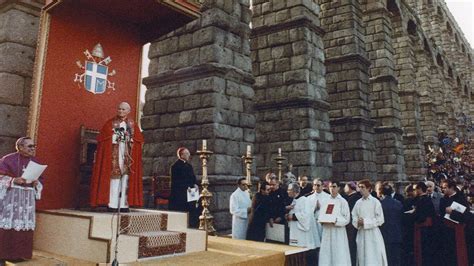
(370,224)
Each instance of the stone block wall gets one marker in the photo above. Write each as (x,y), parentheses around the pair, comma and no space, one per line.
(290,90)
(347,77)
(384,94)
(200,87)
(19,23)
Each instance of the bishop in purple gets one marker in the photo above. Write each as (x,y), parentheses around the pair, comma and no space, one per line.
(17,203)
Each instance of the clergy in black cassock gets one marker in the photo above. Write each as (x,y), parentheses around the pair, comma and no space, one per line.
(454,242)
(424,218)
(183,178)
(260,213)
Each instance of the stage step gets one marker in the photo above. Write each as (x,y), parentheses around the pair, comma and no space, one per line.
(144,233)
(154,239)
(133,223)
(158,243)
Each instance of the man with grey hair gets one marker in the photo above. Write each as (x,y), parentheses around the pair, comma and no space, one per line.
(117,174)
(303,232)
(433,195)
(17,203)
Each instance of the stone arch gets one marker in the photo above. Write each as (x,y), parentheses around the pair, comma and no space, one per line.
(426,46)
(439,12)
(449,28)
(393,7)
(411,27)
(439,60)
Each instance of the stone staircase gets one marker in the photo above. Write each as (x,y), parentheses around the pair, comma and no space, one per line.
(154,239)
(144,233)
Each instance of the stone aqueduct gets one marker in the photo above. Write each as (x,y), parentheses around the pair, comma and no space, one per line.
(348,88)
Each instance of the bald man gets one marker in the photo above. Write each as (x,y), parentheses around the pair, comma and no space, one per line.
(117,175)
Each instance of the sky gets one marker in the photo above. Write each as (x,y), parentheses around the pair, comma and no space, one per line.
(463,12)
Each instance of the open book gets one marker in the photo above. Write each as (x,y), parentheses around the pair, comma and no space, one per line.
(193,194)
(33,171)
(457,207)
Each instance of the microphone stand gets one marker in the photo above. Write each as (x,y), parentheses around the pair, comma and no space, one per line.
(117,233)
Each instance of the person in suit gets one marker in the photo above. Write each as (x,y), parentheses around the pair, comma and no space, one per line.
(408,226)
(434,195)
(396,195)
(350,189)
(182,180)
(424,232)
(392,228)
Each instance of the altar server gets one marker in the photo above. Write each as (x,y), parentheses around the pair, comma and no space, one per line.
(367,216)
(240,206)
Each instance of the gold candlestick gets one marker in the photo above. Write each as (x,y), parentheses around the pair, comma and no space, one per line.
(279,160)
(206,220)
(248,159)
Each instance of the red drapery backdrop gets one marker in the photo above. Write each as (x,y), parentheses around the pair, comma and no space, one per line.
(65,105)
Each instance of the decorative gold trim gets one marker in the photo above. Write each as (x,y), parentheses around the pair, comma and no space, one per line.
(182,9)
(38,72)
(137,111)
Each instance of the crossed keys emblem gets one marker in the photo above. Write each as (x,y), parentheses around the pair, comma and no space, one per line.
(96,71)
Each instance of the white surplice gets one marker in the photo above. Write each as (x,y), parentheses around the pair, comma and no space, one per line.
(303,232)
(334,244)
(239,204)
(314,199)
(370,245)
(118,187)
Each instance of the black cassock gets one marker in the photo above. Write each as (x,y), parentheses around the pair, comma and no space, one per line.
(453,251)
(425,234)
(261,213)
(468,218)
(182,178)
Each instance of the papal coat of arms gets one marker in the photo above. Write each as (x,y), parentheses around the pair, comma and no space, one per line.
(96,71)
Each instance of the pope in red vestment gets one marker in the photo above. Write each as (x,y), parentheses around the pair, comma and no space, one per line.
(119,137)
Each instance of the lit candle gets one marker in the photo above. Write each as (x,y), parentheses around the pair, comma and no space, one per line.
(249,150)
(204,144)
(279,151)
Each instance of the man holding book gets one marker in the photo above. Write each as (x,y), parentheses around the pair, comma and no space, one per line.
(454,250)
(334,217)
(17,203)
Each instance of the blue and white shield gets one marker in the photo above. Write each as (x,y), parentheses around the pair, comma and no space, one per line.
(96,77)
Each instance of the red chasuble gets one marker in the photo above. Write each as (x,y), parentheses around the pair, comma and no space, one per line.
(102,172)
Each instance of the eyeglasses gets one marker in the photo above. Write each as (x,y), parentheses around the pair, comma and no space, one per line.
(31,146)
